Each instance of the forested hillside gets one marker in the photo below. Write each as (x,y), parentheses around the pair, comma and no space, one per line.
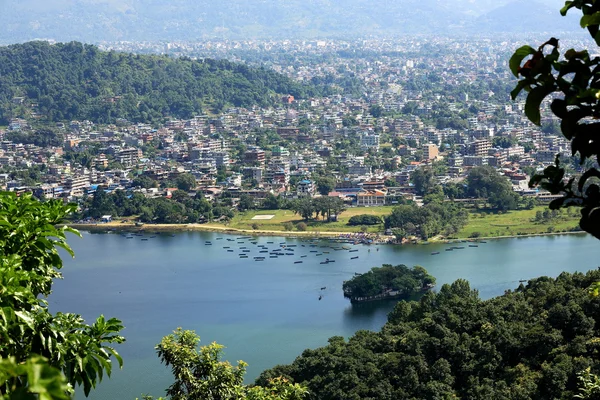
(528,344)
(76,81)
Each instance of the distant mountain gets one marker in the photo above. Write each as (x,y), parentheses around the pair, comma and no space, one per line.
(74,81)
(526,16)
(110,20)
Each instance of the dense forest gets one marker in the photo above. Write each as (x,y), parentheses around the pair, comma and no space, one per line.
(388,280)
(78,81)
(531,343)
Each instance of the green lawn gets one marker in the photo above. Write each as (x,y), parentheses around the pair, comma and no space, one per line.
(487,223)
(514,222)
(244,220)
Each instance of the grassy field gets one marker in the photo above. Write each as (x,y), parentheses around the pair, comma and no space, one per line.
(245,221)
(513,223)
(486,223)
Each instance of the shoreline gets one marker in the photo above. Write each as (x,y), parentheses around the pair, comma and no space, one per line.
(226,230)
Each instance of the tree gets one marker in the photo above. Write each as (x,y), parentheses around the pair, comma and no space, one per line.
(571,81)
(424,181)
(246,202)
(202,374)
(34,341)
(185,182)
(325,185)
(301,226)
(271,202)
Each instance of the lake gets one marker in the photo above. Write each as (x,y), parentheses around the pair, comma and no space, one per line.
(266,312)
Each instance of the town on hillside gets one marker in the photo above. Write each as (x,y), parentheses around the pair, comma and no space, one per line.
(404,108)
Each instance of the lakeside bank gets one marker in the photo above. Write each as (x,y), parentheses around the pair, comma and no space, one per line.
(379,239)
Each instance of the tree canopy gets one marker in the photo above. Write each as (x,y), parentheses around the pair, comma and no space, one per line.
(200,373)
(77,81)
(530,343)
(379,280)
(44,354)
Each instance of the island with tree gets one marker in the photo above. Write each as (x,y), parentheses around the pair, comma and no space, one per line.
(388,282)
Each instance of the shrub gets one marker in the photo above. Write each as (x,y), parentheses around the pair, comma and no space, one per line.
(288,226)
(301,226)
(364,219)
(255,226)
(475,234)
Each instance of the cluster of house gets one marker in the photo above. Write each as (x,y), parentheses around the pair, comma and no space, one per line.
(364,140)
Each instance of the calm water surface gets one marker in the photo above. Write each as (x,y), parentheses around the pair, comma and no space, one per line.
(266,312)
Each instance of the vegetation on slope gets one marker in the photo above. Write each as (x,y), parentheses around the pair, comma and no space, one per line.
(76,81)
(528,344)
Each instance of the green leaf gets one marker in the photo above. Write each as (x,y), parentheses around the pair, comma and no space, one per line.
(590,19)
(27,318)
(518,56)
(533,102)
(568,5)
(520,86)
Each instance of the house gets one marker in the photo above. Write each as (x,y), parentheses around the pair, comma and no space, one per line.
(371,198)
(106,218)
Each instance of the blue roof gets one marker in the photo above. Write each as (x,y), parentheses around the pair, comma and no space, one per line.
(305,181)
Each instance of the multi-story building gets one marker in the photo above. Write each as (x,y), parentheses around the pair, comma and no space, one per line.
(430,151)
(369,141)
(481,147)
(305,187)
(129,157)
(254,156)
(76,185)
(253,173)
(371,198)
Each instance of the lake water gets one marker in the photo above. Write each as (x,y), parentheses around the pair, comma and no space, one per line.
(266,312)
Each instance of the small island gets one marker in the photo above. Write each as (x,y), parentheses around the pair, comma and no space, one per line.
(388,282)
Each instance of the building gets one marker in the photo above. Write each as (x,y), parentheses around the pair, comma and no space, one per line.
(369,141)
(305,187)
(129,157)
(254,156)
(367,198)
(253,173)
(75,185)
(430,151)
(481,147)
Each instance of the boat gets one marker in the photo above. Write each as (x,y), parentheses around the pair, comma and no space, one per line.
(264,251)
(353,258)
(303,256)
(297,262)
(324,287)
(352,251)
(231,251)
(245,251)
(144,239)
(450,249)
(320,297)
(272,256)
(433,253)
(473,245)
(226,247)
(522,280)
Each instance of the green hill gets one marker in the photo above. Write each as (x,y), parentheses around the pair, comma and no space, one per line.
(531,343)
(76,81)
